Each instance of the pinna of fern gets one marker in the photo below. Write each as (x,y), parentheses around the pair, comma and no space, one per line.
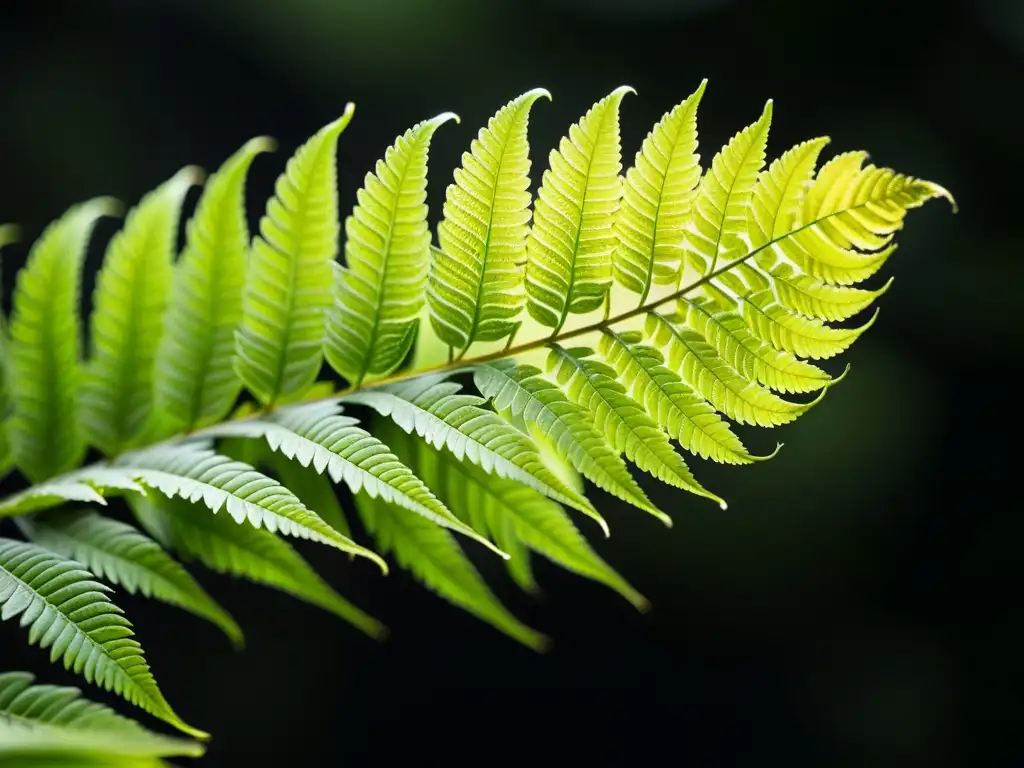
(605,322)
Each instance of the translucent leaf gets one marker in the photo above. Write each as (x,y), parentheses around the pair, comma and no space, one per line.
(279,346)
(128,316)
(511,511)
(193,472)
(808,337)
(593,385)
(656,199)
(117,553)
(475,289)
(755,359)
(195,381)
(540,406)
(432,554)
(569,250)
(39,722)
(45,347)
(438,412)
(318,435)
(707,373)
(249,553)
(720,210)
(379,293)
(68,612)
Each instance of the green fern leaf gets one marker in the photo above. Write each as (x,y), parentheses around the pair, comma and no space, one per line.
(379,293)
(513,512)
(46,433)
(701,367)
(195,382)
(68,612)
(844,229)
(50,718)
(569,250)
(318,435)
(808,337)
(88,484)
(813,298)
(249,553)
(593,385)
(720,211)
(279,346)
(540,406)
(656,200)
(433,555)
(314,490)
(757,360)
(779,193)
(443,416)
(475,289)
(193,472)
(120,555)
(127,320)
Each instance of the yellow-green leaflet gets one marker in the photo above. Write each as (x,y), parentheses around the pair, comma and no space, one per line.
(476,279)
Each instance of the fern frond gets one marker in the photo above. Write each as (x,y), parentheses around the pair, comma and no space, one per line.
(314,490)
(512,512)
(249,553)
(378,294)
(813,298)
(656,199)
(54,719)
(51,493)
(117,553)
(46,433)
(720,209)
(593,385)
(128,314)
(195,383)
(432,554)
(279,346)
(569,250)
(320,436)
(69,613)
(707,373)
(539,405)
(439,413)
(193,472)
(475,290)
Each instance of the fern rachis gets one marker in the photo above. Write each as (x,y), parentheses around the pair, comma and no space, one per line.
(732,278)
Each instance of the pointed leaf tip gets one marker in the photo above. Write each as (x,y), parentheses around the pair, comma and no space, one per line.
(538,93)
(260,144)
(444,117)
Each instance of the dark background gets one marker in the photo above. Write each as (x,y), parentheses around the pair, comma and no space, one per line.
(852,608)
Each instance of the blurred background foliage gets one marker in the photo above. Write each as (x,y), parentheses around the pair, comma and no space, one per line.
(853,606)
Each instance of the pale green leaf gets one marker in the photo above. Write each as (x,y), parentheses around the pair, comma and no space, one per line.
(249,553)
(128,315)
(56,720)
(45,348)
(89,484)
(318,435)
(656,200)
(438,412)
(593,385)
(314,490)
(68,612)
(698,364)
(120,555)
(720,211)
(475,289)
(433,555)
(755,359)
(195,382)
(511,511)
(379,292)
(540,406)
(279,346)
(773,324)
(569,250)
(193,472)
